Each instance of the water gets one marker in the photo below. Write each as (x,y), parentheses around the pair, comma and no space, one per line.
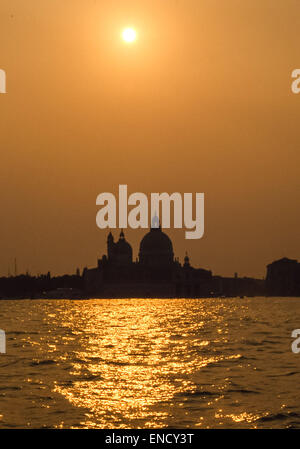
(136,363)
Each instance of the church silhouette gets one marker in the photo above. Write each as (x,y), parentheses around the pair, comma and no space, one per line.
(156,272)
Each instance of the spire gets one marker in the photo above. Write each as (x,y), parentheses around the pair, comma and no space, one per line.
(122,235)
(155,224)
(110,237)
(186,260)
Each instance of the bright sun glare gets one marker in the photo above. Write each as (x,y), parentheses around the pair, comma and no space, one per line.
(129,35)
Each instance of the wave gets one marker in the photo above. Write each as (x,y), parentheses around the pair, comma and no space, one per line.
(243,391)
(279,416)
(197,393)
(43,362)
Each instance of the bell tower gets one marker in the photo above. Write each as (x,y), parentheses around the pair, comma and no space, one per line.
(110,246)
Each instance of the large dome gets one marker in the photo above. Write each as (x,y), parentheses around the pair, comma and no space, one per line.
(156,240)
(156,248)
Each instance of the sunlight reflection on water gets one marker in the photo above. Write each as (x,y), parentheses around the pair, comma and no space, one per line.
(149,363)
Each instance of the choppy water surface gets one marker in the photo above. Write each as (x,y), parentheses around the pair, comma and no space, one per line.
(140,363)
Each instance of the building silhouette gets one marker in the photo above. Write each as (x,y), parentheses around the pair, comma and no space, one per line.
(283,278)
(156,272)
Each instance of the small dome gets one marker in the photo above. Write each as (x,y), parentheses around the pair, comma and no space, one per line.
(122,246)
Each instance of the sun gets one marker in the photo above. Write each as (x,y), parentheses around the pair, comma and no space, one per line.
(129,35)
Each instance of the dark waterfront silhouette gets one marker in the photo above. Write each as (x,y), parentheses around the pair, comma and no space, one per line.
(283,278)
(156,273)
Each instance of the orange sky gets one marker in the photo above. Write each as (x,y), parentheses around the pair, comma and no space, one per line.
(200,103)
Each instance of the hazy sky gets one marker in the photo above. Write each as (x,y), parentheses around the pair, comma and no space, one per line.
(202,102)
